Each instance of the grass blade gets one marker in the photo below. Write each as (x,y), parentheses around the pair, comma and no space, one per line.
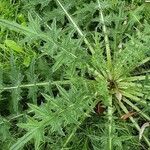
(147,124)
(136,108)
(134,122)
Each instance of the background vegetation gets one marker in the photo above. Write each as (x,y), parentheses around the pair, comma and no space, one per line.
(74,74)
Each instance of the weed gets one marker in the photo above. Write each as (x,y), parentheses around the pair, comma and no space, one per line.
(87,54)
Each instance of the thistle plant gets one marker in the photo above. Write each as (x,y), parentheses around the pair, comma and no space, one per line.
(77,70)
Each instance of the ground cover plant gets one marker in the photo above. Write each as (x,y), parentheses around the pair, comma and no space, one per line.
(75,75)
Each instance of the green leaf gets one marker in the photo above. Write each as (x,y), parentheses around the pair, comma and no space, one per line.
(27,61)
(63,92)
(38,137)
(38,110)
(14,46)
(23,140)
(59,62)
(51,101)
(4,129)
(16,27)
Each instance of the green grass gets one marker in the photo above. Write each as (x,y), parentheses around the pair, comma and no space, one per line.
(63,61)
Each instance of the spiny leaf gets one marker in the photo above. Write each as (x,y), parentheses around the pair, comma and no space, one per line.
(63,92)
(39,110)
(51,100)
(59,62)
(23,140)
(16,27)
